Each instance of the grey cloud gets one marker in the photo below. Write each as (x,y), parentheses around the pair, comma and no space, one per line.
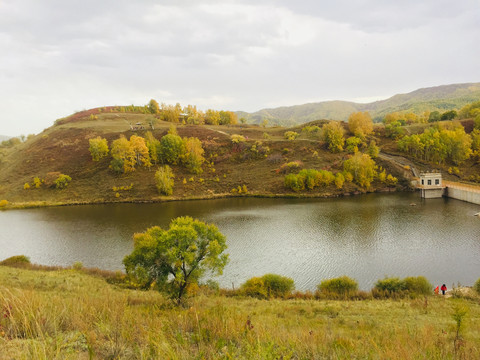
(382,15)
(244,55)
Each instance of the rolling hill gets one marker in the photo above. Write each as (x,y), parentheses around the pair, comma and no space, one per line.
(256,165)
(440,98)
(252,165)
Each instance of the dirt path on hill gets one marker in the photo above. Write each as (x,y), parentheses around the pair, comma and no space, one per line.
(399,161)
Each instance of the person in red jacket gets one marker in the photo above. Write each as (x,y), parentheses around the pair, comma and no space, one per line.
(443,288)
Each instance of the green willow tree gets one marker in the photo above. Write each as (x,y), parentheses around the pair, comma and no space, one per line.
(172,148)
(177,257)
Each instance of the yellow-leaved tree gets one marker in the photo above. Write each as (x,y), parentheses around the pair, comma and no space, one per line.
(212,117)
(139,147)
(333,135)
(362,168)
(193,155)
(153,146)
(360,124)
(123,155)
(164,180)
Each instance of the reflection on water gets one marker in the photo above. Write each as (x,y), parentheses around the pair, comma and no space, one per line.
(366,237)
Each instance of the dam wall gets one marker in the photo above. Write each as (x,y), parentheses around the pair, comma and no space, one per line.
(463,193)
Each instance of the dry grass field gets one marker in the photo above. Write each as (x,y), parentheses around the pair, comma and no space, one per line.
(68,314)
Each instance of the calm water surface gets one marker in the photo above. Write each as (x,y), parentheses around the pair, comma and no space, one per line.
(365,237)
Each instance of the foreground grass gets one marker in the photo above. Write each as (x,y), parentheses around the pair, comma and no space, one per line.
(67,314)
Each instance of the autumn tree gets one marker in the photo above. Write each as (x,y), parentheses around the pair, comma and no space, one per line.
(212,117)
(362,168)
(171,113)
(394,117)
(360,124)
(153,146)
(339,180)
(353,143)
(476,122)
(228,118)
(471,110)
(458,143)
(164,180)
(194,116)
(475,135)
(123,155)
(140,150)
(192,157)
(98,148)
(176,258)
(333,133)
(153,107)
(373,150)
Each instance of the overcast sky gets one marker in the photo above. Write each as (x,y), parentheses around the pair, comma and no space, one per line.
(62,56)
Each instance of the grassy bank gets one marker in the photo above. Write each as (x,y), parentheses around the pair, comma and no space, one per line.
(159,199)
(67,314)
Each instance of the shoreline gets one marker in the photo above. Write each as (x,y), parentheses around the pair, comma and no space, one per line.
(41,204)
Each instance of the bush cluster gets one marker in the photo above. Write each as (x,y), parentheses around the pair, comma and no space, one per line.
(290,135)
(395,286)
(476,286)
(309,179)
(290,167)
(268,286)
(276,286)
(62,181)
(343,286)
(16,261)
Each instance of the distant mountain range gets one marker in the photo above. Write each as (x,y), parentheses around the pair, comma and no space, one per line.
(440,98)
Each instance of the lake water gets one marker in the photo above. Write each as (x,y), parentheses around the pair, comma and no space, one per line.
(365,237)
